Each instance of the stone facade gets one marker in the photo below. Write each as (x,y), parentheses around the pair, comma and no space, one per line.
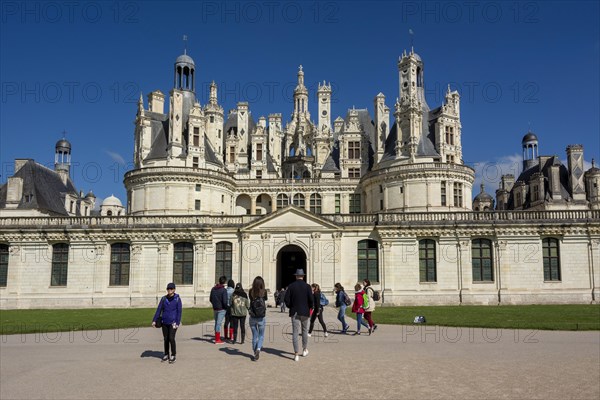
(362,197)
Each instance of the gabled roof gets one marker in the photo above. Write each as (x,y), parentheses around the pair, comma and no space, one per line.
(291,219)
(45,185)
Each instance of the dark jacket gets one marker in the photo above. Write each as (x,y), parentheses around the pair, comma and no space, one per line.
(218,297)
(170,309)
(299,298)
(339,299)
(317,301)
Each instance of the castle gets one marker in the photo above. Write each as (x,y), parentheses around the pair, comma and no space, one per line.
(364,196)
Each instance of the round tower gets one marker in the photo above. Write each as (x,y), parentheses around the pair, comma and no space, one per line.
(62,156)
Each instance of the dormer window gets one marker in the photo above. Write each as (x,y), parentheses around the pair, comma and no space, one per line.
(28,198)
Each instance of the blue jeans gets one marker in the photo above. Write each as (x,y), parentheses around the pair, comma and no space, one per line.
(358,321)
(341,315)
(257,325)
(219,316)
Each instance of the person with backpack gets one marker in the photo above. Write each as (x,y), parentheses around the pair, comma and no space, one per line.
(282,300)
(168,314)
(228,328)
(319,301)
(360,301)
(300,300)
(342,301)
(218,299)
(239,309)
(258,312)
(373,297)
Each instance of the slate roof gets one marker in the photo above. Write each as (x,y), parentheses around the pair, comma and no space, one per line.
(45,185)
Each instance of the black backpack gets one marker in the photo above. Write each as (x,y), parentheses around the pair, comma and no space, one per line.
(258,308)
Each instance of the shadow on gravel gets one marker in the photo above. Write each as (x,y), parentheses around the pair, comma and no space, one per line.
(152,353)
(235,352)
(206,338)
(280,353)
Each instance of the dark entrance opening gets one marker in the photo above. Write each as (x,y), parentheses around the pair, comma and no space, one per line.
(289,259)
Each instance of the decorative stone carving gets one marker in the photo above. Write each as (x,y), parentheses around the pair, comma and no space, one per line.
(315,235)
(336,235)
(265,236)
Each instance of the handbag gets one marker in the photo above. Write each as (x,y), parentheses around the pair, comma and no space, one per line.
(158,322)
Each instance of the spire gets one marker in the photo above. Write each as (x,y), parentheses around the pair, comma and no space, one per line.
(300,76)
(482,188)
(213,93)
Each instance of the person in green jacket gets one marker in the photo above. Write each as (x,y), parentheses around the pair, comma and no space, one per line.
(239,310)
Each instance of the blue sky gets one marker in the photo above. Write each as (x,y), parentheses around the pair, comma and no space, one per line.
(80,67)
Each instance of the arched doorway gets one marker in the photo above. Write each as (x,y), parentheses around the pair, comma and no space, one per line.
(289,259)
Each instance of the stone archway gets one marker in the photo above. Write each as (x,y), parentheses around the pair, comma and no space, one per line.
(289,259)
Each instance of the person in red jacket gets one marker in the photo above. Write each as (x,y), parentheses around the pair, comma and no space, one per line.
(358,305)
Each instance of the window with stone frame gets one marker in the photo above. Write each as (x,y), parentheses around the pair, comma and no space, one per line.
(482,260)
(354,173)
(535,193)
(197,205)
(299,200)
(259,174)
(450,135)
(282,200)
(427,261)
(458,194)
(354,206)
(551,257)
(3,265)
(183,263)
(224,260)
(443,192)
(231,154)
(315,203)
(368,260)
(119,264)
(196,136)
(195,162)
(338,203)
(354,150)
(60,264)
(259,153)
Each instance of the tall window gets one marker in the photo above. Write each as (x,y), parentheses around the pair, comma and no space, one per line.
(119,264)
(315,203)
(183,263)
(196,136)
(355,203)
(282,200)
(535,194)
(195,162)
(197,205)
(299,200)
(232,154)
(259,152)
(481,258)
(368,263)
(354,150)
(427,272)
(354,173)
(338,203)
(3,264)
(458,194)
(450,135)
(551,257)
(259,174)
(443,191)
(60,264)
(224,260)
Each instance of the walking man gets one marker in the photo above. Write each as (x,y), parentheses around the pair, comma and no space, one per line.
(299,299)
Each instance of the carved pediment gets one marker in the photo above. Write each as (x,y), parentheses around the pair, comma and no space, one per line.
(291,219)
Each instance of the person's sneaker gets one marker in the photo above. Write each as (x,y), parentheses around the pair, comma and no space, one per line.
(374,327)
(356,333)
(165,358)
(326,334)
(296,357)
(172,360)
(304,352)
(309,334)
(370,331)
(256,355)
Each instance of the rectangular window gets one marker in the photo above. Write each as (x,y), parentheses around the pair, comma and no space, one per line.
(535,195)
(450,135)
(259,174)
(195,162)
(196,136)
(60,264)
(222,198)
(381,204)
(338,203)
(197,205)
(368,263)
(518,199)
(212,119)
(551,257)
(355,203)
(232,154)
(354,150)
(458,195)
(198,188)
(427,262)
(119,264)
(481,258)
(223,265)
(443,191)
(3,265)
(354,173)
(450,159)
(219,134)
(183,264)
(380,189)
(259,152)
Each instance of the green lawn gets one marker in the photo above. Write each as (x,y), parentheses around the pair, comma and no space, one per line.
(32,321)
(549,317)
